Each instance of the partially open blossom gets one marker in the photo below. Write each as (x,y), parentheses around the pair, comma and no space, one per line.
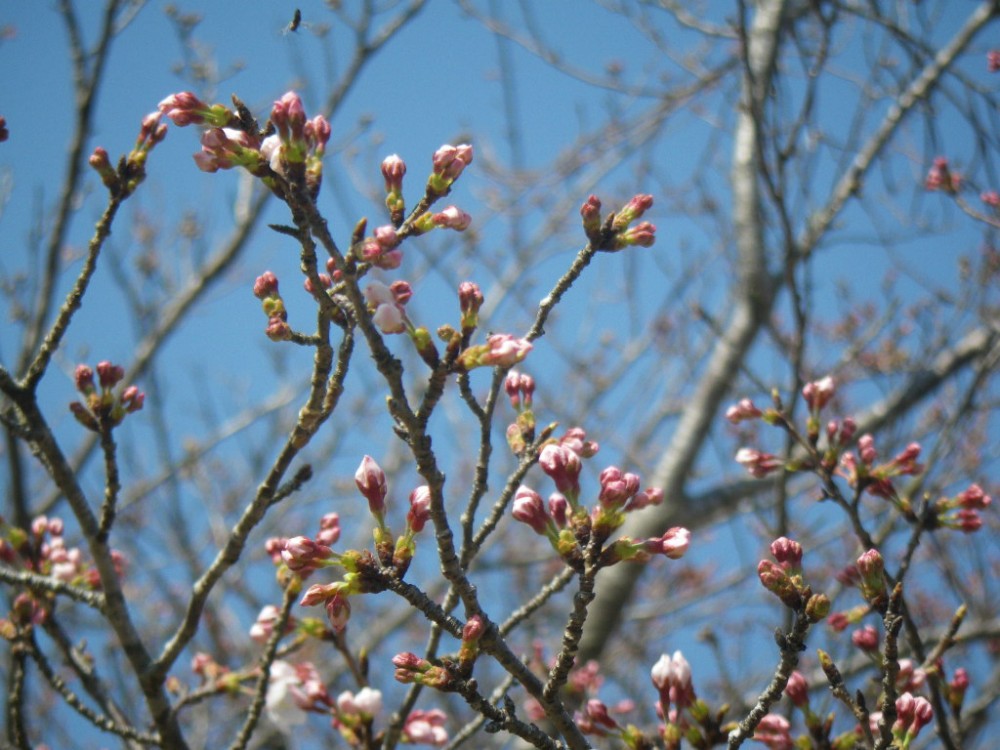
(387,310)
(500,350)
(263,627)
(365,704)
(674,542)
(286,703)
(742,410)
(225,148)
(426,728)
(818,394)
(452,218)
(759,464)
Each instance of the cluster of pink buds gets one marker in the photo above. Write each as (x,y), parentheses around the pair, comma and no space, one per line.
(334,597)
(671,676)
(912,715)
(294,690)
(381,249)
(265,288)
(758,463)
(784,579)
(267,619)
(103,408)
(961,512)
(616,231)
(470,299)
(520,388)
(411,668)
(448,164)
(940,177)
(185,108)
(876,478)
(293,152)
(353,711)
(426,728)
(131,171)
(595,719)
(42,549)
(991,198)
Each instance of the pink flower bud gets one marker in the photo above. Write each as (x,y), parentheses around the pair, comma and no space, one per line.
(758,464)
(109,375)
(866,449)
(787,552)
(797,689)
(393,169)
(338,610)
(420,508)
(83,376)
(818,394)
(370,480)
(563,466)
(866,639)
(329,529)
(591,213)
(528,508)
(993,60)
(974,498)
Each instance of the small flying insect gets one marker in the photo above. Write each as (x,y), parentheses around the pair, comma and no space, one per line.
(294,24)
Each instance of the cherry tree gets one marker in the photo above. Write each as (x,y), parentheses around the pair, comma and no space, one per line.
(629,444)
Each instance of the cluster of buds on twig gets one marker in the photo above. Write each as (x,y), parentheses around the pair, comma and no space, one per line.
(122,181)
(42,550)
(683,716)
(784,578)
(302,555)
(615,232)
(103,407)
(265,288)
(292,152)
(569,526)
(520,389)
(941,177)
